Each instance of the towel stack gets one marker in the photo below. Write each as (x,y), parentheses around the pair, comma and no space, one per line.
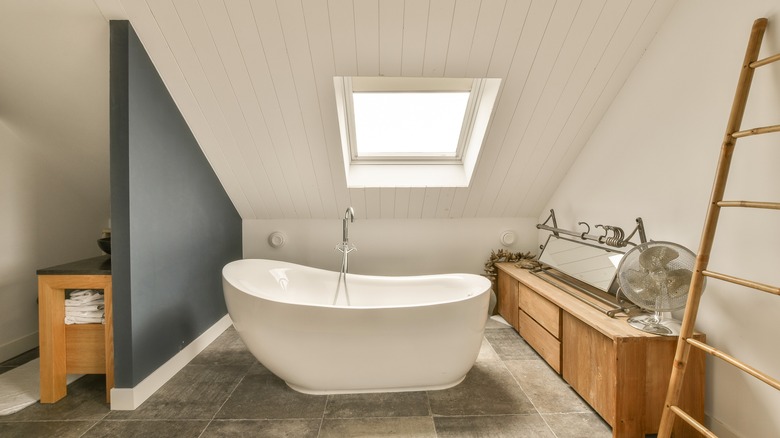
(85,307)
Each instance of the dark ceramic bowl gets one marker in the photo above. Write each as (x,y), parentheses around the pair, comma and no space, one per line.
(105,244)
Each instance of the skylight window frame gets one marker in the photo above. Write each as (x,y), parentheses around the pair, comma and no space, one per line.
(474,86)
(414,171)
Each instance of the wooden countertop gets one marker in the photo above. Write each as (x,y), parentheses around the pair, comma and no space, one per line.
(613,328)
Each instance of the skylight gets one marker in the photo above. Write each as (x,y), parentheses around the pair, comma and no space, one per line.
(413,124)
(412,132)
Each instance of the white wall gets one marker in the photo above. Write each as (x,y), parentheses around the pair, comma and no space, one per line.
(654,156)
(54,194)
(390,247)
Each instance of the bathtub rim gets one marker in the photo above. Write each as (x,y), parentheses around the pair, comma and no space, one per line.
(267,297)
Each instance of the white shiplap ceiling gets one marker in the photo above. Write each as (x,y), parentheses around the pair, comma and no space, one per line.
(254,80)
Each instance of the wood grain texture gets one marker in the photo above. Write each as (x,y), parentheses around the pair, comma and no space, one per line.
(76,349)
(507,297)
(547,345)
(623,373)
(544,311)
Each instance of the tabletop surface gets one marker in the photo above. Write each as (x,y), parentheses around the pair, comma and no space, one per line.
(100,265)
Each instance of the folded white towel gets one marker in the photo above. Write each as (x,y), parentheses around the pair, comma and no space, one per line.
(84,296)
(85,307)
(83,320)
(93,314)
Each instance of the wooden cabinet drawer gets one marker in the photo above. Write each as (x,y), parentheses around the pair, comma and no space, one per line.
(543,342)
(547,314)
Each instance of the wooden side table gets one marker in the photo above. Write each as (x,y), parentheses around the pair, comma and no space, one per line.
(78,348)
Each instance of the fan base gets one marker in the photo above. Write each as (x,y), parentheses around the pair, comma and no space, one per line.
(652,324)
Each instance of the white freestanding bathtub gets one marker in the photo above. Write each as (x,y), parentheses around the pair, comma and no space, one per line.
(396,334)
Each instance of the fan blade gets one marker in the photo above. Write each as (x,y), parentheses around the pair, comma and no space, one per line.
(637,280)
(678,281)
(657,257)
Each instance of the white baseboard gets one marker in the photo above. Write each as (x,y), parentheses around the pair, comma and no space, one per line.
(127,399)
(18,346)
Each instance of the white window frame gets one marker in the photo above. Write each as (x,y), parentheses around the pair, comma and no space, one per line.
(416,170)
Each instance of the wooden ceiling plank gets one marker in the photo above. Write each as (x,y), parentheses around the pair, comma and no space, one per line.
(593,53)
(252,138)
(437,37)
(401,207)
(415,30)
(485,36)
(464,23)
(265,117)
(542,64)
(301,64)
(496,148)
(317,22)
(342,34)
(282,77)
(416,200)
(524,166)
(443,207)
(391,37)
(367,37)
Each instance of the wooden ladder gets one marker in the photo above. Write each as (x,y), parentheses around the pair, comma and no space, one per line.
(686,341)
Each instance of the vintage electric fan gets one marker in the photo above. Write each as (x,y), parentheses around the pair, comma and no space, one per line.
(656,276)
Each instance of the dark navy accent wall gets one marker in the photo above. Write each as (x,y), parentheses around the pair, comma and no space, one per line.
(174,227)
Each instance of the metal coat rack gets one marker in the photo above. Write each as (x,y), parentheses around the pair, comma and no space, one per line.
(613,237)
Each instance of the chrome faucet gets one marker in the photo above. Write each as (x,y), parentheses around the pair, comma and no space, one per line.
(349,215)
(345,248)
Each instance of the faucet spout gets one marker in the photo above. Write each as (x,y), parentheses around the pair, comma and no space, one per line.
(349,215)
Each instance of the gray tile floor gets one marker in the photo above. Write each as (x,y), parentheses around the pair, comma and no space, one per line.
(225,392)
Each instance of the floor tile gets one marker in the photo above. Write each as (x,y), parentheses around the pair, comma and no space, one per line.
(486,352)
(389,404)
(265,396)
(403,427)
(509,345)
(263,428)
(227,349)
(547,391)
(147,428)
(590,425)
(86,400)
(33,429)
(196,392)
(500,426)
(496,322)
(489,389)
(510,392)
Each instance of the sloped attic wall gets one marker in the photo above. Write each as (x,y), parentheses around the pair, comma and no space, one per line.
(654,155)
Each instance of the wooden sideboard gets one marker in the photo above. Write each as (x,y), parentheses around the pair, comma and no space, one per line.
(622,372)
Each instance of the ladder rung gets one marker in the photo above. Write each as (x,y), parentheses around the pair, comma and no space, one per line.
(692,421)
(756,131)
(765,61)
(750,204)
(742,282)
(729,359)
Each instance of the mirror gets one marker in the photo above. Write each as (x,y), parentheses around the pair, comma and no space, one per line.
(594,265)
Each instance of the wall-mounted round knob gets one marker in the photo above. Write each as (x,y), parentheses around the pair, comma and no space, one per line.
(277,239)
(507,238)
